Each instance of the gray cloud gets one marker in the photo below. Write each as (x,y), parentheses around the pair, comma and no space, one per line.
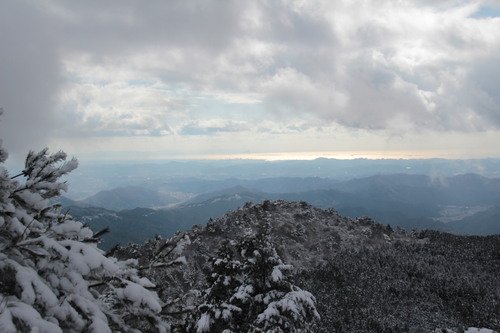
(117,27)
(30,76)
(484,91)
(70,68)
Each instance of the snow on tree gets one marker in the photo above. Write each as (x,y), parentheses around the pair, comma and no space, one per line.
(469,330)
(250,290)
(53,278)
(224,279)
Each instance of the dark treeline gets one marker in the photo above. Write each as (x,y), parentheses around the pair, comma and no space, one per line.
(448,281)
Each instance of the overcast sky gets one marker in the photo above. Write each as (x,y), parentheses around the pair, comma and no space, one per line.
(145,79)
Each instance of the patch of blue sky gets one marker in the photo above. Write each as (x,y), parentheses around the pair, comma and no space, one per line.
(213,105)
(140,83)
(487,12)
(78,78)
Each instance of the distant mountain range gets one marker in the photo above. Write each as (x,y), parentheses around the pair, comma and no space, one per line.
(469,203)
(140,224)
(123,197)
(220,174)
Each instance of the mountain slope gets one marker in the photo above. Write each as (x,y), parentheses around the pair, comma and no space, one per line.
(140,224)
(303,235)
(465,189)
(366,277)
(230,193)
(128,198)
(449,281)
(483,223)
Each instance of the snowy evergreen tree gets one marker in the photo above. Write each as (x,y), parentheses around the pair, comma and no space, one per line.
(251,291)
(223,279)
(53,278)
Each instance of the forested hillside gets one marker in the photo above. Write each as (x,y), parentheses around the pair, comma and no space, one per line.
(450,281)
(366,277)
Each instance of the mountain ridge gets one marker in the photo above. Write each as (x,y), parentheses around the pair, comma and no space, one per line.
(367,277)
(410,201)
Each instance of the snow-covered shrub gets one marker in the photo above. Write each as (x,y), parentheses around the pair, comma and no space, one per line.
(53,278)
(250,291)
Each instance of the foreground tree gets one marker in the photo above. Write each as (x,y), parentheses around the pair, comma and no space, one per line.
(251,291)
(53,278)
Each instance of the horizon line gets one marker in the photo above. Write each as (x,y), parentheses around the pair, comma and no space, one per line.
(305,156)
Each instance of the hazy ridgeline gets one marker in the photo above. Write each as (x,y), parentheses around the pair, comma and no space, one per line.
(141,200)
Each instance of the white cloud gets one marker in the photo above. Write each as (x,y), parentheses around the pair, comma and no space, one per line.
(299,94)
(119,108)
(212,126)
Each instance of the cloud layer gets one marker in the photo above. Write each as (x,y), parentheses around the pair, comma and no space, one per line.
(85,69)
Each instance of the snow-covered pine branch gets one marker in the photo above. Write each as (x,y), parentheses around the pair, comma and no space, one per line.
(53,278)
